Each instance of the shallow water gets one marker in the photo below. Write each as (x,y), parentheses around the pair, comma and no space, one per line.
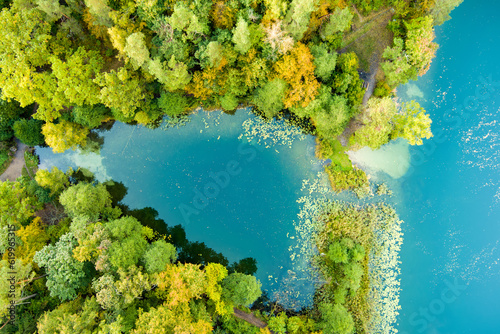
(226,189)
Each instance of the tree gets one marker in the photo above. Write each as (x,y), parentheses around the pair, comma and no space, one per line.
(442,9)
(90,116)
(419,45)
(297,69)
(117,294)
(55,180)
(75,76)
(16,206)
(128,242)
(163,319)
(241,289)
(173,74)
(412,57)
(377,124)
(71,318)
(298,15)
(65,274)
(332,117)
(23,51)
(136,49)
(269,98)
(173,104)
(247,266)
(324,60)
(158,255)
(9,114)
(215,273)
(85,199)
(339,20)
(335,319)
(64,135)
(241,36)
(412,124)
(228,102)
(121,90)
(33,238)
(15,275)
(29,131)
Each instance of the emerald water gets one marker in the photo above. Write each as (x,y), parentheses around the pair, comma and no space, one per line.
(232,189)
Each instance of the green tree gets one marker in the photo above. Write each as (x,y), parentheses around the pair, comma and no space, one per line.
(324,60)
(173,104)
(136,49)
(442,9)
(377,124)
(412,124)
(127,242)
(29,131)
(241,36)
(9,113)
(65,274)
(23,51)
(241,289)
(122,91)
(335,319)
(173,74)
(85,199)
(158,255)
(75,77)
(76,317)
(16,275)
(228,102)
(90,116)
(16,206)
(64,135)
(412,57)
(297,17)
(269,98)
(338,21)
(55,180)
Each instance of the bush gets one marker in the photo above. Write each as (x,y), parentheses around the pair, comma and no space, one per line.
(347,180)
(382,89)
(173,104)
(29,131)
(4,157)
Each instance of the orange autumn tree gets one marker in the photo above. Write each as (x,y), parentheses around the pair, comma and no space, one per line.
(297,69)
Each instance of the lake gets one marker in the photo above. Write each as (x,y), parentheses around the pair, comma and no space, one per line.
(233,188)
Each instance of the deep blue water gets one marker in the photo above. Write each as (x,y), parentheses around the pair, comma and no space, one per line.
(450,198)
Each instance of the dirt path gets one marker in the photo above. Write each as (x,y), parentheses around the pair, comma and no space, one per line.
(250,318)
(16,166)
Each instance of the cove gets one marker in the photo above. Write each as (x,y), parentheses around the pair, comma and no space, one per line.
(232,189)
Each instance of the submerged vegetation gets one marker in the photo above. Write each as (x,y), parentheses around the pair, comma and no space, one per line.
(85,263)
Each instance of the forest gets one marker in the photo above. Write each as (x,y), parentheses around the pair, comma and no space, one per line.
(83,262)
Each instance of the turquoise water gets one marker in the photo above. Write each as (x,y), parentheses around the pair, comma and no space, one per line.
(450,197)
(225,188)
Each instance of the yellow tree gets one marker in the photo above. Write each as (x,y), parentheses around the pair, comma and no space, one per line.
(297,69)
(64,135)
